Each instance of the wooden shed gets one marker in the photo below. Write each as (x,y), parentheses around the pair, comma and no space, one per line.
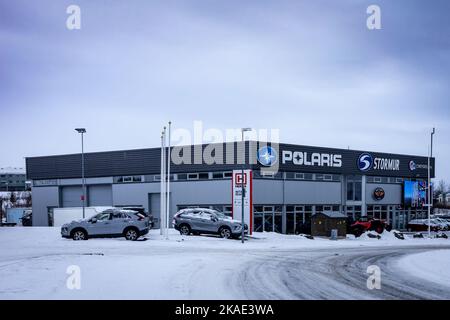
(323,222)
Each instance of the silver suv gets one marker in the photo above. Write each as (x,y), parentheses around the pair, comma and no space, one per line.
(202,220)
(109,223)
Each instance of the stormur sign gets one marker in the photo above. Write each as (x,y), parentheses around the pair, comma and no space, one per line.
(341,161)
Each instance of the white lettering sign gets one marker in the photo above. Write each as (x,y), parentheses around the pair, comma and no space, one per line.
(314,159)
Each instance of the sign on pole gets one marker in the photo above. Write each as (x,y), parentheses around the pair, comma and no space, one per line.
(237,181)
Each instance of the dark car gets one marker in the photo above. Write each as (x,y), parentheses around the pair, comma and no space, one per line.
(27,218)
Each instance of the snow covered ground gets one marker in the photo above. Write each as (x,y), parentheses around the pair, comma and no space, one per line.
(432,265)
(34,263)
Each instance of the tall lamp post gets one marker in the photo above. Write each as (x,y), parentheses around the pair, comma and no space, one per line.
(430,155)
(243,130)
(82,131)
(168,183)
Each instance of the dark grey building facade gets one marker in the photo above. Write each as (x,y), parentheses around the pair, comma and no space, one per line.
(297,182)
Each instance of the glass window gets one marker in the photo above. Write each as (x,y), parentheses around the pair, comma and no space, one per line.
(327,177)
(358,191)
(103,216)
(204,175)
(300,176)
(308,176)
(217,175)
(290,175)
(182,176)
(192,176)
(350,193)
(228,174)
(267,174)
(319,176)
(137,179)
(354,188)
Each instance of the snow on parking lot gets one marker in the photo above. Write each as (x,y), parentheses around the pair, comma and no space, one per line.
(432,265)
(34,262)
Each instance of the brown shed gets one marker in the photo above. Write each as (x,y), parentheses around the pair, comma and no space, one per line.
(323,222)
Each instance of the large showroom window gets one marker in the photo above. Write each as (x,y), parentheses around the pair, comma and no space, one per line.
(354,188)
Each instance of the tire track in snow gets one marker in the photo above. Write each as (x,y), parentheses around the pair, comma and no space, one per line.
(333,274)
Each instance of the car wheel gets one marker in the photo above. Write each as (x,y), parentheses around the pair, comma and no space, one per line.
(131,234)
(357,231)
(185,230)
(79,235)
(225,233)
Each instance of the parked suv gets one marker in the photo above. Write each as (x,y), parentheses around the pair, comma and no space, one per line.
(200,220)
(109,223)
(141,210)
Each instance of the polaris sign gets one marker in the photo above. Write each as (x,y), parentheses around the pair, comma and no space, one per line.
(367,162)
(312,159)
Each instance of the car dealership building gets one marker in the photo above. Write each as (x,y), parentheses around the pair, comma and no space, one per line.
(289,182)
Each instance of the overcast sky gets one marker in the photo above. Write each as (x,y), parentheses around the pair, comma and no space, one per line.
(309,68)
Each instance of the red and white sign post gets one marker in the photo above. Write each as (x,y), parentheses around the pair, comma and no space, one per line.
(236,182)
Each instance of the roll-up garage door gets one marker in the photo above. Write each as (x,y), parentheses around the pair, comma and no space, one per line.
(71,196)
(100,195)
(155,208)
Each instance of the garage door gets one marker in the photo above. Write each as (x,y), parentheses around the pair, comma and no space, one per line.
(155,204)
(71,197)
(100,195)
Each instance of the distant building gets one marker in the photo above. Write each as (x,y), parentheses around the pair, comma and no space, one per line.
(13,179)
(444,198)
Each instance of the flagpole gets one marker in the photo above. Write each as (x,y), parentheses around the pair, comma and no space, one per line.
(168,184)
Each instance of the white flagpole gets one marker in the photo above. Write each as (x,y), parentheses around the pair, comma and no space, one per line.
(168,185)
(161,182)
(164,194)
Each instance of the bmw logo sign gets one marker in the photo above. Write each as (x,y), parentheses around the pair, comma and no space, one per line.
(412,165)
(365,162)
(267,156)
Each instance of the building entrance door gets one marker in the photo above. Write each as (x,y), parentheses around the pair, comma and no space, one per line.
(267,218)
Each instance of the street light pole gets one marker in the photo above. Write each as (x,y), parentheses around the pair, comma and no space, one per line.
(161,181)
(82,131)
(243,130)
(430,155)
(168,184)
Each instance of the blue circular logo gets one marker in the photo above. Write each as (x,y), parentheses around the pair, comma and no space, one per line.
(365,162)
(267,156)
